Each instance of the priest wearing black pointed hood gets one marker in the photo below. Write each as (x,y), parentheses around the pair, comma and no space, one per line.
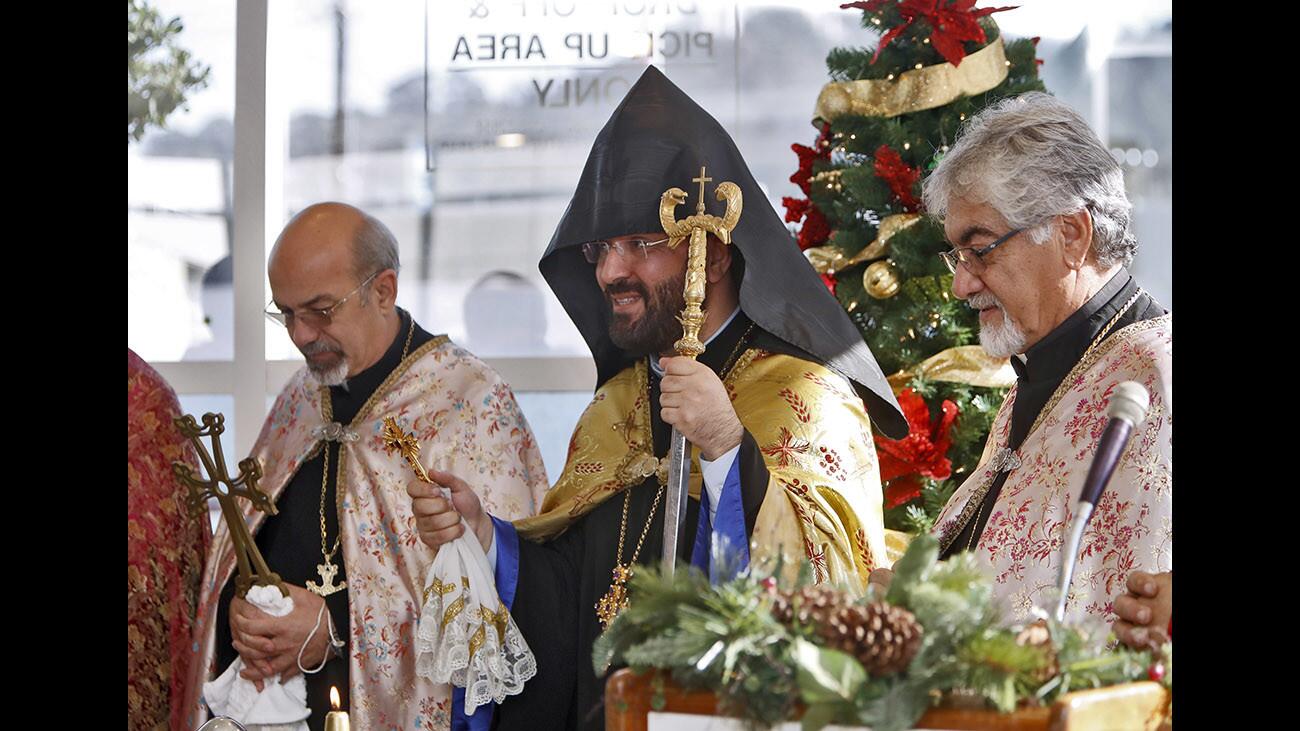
(778,407)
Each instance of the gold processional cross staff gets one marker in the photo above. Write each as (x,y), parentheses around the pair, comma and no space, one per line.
(698,227)
(253,570)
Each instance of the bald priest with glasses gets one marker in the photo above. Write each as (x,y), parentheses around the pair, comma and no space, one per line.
(344,539)
(1035,209)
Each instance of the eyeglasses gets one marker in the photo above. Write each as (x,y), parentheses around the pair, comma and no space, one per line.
(973,259)
(315,319)
(595,251)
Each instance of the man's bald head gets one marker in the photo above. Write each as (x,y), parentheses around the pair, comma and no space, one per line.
(333,274)
(327,225)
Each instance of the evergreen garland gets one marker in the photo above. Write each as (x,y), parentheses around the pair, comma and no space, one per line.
(723,638)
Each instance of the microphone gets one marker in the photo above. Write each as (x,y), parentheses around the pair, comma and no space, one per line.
(1127,409)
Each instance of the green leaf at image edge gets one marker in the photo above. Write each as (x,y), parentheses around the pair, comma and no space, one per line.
(825,675)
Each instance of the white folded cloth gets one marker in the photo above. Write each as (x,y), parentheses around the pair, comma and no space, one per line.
(466,635)
(279,706)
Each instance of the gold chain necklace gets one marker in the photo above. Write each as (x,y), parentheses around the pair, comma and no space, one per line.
(328,570)
(1008,458)
(615,599)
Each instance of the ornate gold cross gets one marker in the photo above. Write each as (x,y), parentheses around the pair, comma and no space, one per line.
(253,570)
(397,440)
(327,573)
(698,227)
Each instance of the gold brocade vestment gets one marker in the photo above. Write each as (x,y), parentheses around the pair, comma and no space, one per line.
(823,499)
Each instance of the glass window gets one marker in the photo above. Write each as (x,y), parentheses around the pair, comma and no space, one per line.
(179,206)
(1112,60)
(1141,137)
(468,239)
(464,127)
(552,415)
(198,404)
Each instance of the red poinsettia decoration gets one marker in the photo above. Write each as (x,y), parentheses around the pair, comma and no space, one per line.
(899,175)
(795,208)
(815,229)
(922,453)
(952,23)
(809,155)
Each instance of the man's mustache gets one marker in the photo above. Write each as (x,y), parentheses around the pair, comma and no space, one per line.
(319,347)
(982,300)
(625,286)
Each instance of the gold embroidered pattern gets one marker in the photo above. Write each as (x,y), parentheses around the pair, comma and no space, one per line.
(860,542)
(497,619)
(439,588)
(457,605)
(793,514)
(477,639)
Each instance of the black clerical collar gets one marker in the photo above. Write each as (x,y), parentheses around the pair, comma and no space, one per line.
(364,383)
(719,345)
(1053,356)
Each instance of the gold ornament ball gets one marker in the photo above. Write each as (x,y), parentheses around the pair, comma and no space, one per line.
(881,280)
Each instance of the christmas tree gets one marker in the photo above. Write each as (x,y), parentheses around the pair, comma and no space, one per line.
(885,121)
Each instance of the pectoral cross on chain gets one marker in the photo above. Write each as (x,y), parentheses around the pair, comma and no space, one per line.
(327,573)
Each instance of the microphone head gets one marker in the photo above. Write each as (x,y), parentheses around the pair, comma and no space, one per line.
(1129,401)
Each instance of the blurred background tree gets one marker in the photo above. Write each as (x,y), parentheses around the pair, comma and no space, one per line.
(159,73)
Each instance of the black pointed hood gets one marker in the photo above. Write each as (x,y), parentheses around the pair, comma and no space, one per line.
(658,138)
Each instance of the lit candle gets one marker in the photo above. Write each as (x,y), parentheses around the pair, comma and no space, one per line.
(336,720)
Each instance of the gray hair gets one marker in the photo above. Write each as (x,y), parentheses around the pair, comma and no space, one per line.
(374,248)
(1032,157)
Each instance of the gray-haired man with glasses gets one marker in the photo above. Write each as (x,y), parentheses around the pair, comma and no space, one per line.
(344,537)
(1041,228)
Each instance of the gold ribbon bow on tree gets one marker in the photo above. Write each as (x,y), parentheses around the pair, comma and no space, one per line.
(967,364)
(916,90)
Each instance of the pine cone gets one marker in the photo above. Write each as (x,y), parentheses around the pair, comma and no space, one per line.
(884,638)
(809,605)
(1038,636)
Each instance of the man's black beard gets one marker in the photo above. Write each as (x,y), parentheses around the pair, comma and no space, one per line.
(658,328)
